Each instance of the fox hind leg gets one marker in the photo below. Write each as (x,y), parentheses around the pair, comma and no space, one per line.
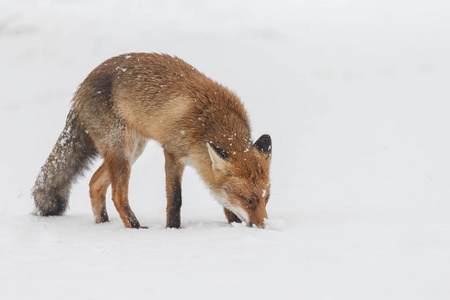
(115,171)
(119,169)
(98,186)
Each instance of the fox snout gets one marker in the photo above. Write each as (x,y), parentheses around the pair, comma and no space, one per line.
(258,225)
(258,217)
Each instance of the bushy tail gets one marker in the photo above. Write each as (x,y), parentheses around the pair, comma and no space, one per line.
(71,155)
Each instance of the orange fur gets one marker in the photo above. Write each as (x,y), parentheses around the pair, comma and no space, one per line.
(134,97)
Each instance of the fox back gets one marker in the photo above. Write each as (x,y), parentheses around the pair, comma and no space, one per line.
(134,97)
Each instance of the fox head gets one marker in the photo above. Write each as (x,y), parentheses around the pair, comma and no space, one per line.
(241,182)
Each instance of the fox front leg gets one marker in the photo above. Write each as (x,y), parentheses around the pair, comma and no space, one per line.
(231,217)
(174,172)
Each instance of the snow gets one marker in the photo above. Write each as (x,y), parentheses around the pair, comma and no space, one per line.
(354,95)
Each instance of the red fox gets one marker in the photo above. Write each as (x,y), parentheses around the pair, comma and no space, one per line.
(134,97)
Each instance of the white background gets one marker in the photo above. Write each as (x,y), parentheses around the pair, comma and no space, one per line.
(355,95)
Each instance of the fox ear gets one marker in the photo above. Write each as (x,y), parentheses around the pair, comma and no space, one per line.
(219,161)
(264,145)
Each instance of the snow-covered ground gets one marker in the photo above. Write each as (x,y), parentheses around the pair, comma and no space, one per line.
(355,96)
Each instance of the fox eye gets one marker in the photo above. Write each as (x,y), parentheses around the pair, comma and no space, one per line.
(251,202)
